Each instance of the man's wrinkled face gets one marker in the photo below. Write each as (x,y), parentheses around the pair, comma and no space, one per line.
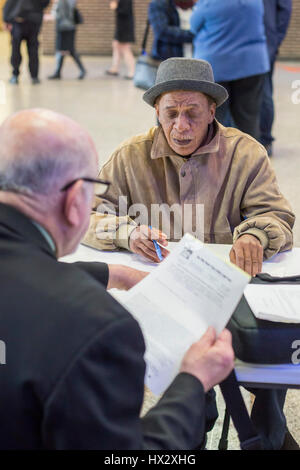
(185,117)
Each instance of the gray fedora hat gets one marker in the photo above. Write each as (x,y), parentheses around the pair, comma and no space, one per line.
(180,73)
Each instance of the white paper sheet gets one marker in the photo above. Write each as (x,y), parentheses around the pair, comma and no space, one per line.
(279,303)
(189,291)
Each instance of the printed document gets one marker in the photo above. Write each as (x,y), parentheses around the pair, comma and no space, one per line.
(189,291)
(279,303)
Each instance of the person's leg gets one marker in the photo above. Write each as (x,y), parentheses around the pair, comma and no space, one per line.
(32,32)
(78,61)
(16,40)
(60,54)
(129,59)
(245,103)
(267,111)
(116,59)
(76,58)
(268,417)
(59,57)
(223,114)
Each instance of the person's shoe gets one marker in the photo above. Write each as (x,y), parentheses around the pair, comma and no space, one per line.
(82,75)
(269,149)
(55,76)
(109,72)
(128,77)
(289,443)
(14,80)
(35,81)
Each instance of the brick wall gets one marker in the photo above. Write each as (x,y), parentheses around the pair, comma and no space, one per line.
(95,35)
(290,47)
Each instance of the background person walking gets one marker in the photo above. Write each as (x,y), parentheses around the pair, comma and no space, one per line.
(23,18)
(124,36)
(64,13)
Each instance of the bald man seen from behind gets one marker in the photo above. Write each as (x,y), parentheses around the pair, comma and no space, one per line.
(74,371)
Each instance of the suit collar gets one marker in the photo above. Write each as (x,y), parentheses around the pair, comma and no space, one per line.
(22,227)
(46,235)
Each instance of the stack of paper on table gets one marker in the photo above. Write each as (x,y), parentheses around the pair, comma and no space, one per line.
(189,291)
(280,303)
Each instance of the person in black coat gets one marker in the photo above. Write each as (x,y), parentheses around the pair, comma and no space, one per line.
(23,18)
(124,36)
(74,372)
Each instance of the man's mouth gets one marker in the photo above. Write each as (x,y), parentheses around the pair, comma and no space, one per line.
(182,142)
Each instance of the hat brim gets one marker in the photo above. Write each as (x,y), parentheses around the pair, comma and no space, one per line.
(216,91)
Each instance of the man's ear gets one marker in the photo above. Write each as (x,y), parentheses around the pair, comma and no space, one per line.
(213,108)
(74,202)
(157,111)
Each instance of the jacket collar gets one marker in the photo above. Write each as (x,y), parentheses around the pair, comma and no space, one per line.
(21,227)
(161,148)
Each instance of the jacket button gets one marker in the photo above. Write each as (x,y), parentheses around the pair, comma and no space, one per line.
(183,173)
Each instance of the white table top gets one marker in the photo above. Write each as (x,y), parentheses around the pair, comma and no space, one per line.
(283,264)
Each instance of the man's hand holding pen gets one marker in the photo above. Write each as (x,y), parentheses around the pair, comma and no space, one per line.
(142,242)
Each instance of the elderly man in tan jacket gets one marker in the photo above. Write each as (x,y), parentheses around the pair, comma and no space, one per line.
(191,174)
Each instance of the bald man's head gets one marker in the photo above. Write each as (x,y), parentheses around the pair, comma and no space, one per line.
(41,150)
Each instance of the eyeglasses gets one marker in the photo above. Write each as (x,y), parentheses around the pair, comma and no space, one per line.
(100,186)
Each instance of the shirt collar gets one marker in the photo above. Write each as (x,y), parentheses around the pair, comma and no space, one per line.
(46,235)
(161,148)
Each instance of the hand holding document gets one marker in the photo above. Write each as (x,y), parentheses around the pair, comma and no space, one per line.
(191,290)
(280,303)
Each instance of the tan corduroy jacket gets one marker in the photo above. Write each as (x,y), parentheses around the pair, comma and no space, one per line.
(230,178)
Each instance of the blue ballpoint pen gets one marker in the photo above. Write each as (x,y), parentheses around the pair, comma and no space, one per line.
(157,248)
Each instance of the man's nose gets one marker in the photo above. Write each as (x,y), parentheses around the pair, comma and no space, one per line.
(182,123)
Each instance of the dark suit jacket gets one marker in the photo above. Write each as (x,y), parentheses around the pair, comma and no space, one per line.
(74,372)
(31,10)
